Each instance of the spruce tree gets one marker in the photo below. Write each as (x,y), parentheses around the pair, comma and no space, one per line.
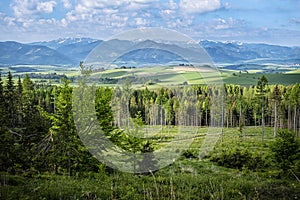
(261,90)
(276,97)
(10,99)
(2,114)
(19,106)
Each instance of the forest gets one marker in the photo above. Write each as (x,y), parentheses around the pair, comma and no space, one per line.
(257,156)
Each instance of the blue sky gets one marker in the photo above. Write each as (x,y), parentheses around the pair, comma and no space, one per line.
(267,21)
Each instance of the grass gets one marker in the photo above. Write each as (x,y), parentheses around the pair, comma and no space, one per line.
(169,76)
(187,178)
(252,78)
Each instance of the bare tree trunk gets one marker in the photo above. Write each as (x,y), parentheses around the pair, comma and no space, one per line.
(262,120)
(69,164)
(206,117)
(240,118)
(227,120)
(244,133)
(289,118)
(295,115)
(231,118)
(275,120)
(298,126)
(161,121)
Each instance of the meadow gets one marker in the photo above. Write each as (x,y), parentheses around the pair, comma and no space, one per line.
(187,178)
(155,77)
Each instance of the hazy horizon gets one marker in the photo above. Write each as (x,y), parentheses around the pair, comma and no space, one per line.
(271,22)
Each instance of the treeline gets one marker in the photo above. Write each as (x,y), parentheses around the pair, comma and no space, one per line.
(38,133)
(44,76)
(242,106)
(37,130)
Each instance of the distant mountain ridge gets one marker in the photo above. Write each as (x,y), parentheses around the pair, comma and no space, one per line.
(233,52)
(14,53)
(70,51)
(55,44)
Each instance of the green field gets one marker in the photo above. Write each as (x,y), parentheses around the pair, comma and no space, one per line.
(162,76)
(168,76)
(187,178)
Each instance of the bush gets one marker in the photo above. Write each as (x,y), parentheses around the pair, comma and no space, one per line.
(286,150)
(189,154)
(238,158)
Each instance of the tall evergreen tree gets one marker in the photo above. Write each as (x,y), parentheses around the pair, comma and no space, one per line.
(10,99)
(261,91)
(19,106)
(2,117)
(276,97)
(65,144)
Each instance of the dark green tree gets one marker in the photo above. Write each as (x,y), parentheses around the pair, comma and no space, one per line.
(2,105)
(10,99)
(286,150)
(62,134)
(19,106)
(103,96)
(262,89)
(276,97)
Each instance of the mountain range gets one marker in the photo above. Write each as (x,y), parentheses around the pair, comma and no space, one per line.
(70,51)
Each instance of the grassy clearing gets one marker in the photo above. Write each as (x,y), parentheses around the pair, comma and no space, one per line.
(187,178)
(183,180)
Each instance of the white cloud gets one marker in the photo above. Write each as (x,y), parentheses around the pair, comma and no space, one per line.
(22,8)
(46,7)
(7,20)
(167,12)
(67,4)
(229,23)
(227,5)
(111,14)
(141,21)
(172,5)
(109,11)
(199,6)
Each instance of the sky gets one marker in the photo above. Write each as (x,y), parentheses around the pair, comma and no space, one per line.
(260,21)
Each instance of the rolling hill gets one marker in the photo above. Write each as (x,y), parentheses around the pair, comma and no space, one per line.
(14,53)
(70,51)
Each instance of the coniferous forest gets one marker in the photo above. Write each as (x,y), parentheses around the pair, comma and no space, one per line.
(256,157)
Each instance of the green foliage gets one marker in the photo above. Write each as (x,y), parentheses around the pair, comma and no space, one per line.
(239,158)
(189,154)
(207,182)
(262,85)
(104,113)
(286,149)
(38,136)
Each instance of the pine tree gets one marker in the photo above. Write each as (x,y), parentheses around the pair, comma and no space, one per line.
(261,91)
(104,113)
(2,111)
(276,97)
(65,143)
(19,106)
(10,99)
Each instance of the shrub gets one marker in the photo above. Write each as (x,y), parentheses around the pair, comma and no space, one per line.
(238,158)
(189,154)
(286,150)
